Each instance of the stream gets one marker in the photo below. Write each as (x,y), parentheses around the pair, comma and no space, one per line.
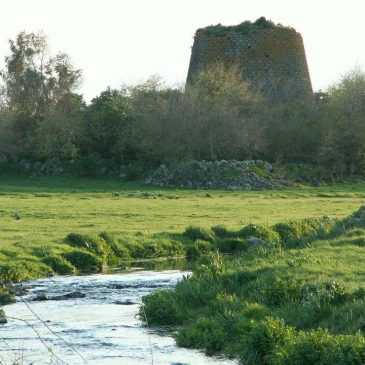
(100,328)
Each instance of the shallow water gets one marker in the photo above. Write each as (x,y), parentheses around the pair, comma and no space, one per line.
(102,329)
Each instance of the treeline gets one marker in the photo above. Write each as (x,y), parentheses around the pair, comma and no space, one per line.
(218,116)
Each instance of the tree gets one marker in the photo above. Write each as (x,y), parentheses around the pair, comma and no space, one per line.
(347,111)
(225,110)
(106,125)
(36,84)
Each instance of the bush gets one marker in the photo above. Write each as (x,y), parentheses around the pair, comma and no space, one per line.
(160,308)
(320,347)
(2,313)
(261,231)
(207,333)
(108,237)
(154,248)
(194,233)
(6,297)
(310,227)
(117,247)
(221,231)
(59,264)
(231,245)
(197,249)
(90,165)
(92,243)
(84,261)
(262,339)
(24,269)
(278,290)
(327,293)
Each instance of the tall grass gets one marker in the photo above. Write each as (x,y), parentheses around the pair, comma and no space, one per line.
(298,303)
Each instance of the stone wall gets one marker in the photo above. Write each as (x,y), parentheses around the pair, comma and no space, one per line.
(273,60)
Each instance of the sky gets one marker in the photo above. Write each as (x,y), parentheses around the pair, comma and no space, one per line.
(116,42)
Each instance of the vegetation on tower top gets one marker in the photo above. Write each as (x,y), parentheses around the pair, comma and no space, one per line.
(245,27)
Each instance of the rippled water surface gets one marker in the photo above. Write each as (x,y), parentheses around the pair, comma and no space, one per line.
(102,327)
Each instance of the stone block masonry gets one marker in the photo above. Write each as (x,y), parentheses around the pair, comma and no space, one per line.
(272,58)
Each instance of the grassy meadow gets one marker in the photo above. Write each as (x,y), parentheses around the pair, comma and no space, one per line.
(38,214)
(52,207)
(296,297)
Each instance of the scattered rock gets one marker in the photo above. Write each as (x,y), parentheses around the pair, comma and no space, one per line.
(40,297)
(125,302)
(255,241)
(51,166)
(232,174)
(74,295)
(18,290)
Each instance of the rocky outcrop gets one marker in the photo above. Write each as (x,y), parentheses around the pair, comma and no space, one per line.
(40,297)
(52,166)
(232,174)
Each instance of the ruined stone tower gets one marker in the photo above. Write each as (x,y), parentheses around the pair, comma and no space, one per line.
(270,56)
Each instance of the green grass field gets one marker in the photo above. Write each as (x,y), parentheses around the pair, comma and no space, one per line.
(52,207)
(297,298)
(38,213)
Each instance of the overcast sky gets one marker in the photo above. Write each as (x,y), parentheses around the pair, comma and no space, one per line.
(123,41)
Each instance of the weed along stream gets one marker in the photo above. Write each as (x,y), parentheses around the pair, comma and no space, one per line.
(92,319)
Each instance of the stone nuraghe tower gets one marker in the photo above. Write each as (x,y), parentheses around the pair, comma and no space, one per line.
(270,56)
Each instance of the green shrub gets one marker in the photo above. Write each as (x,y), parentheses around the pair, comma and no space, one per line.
(206,333)
(280,290)
(277,290)
(59,264)
(42,251)
(149,250)
(91,243)
(171,247)
(84,261)
(194,233)
(222,231)
(259,171)
(108,237)
(261,231)
(231,245)
(120,250)
(327,293)
(261,340)
(2,313)
(197,291)
(94,244)
(254,311)
(320,347)
(355,232)
(24,269)
(6,297)
(90,165)
(116,246)
(160,308)
(311,227)
(197,249)
(153,248)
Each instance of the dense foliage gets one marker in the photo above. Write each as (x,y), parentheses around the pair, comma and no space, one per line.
(244,27)
(217,116)
(274,304)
